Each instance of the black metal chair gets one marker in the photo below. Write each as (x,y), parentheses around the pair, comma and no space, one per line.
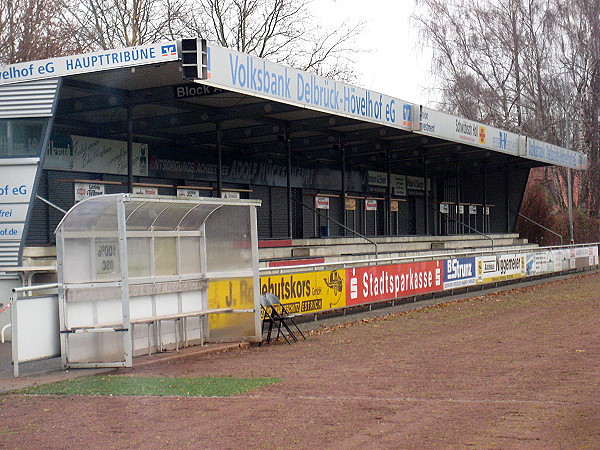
(277,316)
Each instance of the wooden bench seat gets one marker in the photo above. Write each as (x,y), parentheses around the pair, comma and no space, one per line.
(116,326)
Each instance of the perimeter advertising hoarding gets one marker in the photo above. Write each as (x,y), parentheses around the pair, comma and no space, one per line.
(584,256)
(493,268)
(236,293)
(321,291)
(458,129)
(553,154)
(307,292)
(249,74)
(377,283)
(459,272)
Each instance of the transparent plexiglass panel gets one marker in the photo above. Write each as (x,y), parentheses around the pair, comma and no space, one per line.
(91,259)
(196,217)
(228,240)
(97,213)
(142,215)
(77,261)
(139,259)
(165,256)
(190,254)
(169,219)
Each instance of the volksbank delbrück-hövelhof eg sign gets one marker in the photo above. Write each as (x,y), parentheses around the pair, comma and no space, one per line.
(553,154)
(457,129)
(89,62)
(248,74)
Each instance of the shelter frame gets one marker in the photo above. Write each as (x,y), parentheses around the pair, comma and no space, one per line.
(126,260)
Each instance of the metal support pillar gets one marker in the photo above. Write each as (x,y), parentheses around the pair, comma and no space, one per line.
(570,204)
(343,176)
(459,227)
(219,159)
(387,214)
(485,230)
(129,149)
(426,208)
(288,149)
(507,199)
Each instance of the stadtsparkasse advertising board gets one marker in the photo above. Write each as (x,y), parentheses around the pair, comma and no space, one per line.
(377,283)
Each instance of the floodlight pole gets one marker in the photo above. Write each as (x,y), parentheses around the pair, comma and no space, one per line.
(569,185)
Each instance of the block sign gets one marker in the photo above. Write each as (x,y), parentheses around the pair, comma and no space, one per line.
(444,208)
(321,202)
(472,209)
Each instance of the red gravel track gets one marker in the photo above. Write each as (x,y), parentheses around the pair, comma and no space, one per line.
(517,369)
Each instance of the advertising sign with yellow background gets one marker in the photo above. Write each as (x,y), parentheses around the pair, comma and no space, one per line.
(307,292)
(236,293)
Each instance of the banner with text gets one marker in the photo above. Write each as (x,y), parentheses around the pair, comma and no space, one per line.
(377,283)
(307,292)
(249,74)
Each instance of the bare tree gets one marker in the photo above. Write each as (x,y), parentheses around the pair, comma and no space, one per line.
(283,31)
(280,30)
(104,24)
(529,66)
(32,29)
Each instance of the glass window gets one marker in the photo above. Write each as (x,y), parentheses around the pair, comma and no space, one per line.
(21,137)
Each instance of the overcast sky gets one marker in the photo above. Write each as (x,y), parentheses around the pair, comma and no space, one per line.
(395,66)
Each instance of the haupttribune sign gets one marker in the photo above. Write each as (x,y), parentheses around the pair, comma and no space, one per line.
(89,62)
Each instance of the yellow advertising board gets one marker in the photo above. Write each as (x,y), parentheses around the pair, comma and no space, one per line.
(236,293)
(307,292)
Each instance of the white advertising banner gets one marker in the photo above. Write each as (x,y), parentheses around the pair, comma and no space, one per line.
(500,267)
(18,177)
(188,193)
(370,205)
(457,129)
(415,183)
(143,190)
(321,202)
(377,178)
(87,190)
(553,154)
(89,62)
(87,154)
(251,75)
(398,183)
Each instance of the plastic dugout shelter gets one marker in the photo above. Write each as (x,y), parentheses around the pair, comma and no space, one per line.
(137,274)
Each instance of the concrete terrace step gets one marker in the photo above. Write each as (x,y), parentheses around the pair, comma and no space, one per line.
(349,249)
(314,248)
(366,256)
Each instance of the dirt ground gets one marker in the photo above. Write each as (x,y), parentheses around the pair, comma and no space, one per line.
(517,369)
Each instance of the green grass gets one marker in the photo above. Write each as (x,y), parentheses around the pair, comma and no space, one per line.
(151,386)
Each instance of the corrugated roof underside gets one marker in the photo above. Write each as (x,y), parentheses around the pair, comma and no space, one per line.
(30,99)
